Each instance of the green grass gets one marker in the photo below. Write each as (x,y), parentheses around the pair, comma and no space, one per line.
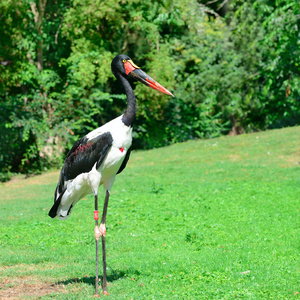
(213,219)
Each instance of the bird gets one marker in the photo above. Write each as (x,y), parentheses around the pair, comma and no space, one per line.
(99,156)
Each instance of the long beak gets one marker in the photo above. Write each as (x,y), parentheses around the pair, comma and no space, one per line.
(141,76)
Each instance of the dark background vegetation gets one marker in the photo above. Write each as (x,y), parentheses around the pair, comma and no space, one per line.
(232,65)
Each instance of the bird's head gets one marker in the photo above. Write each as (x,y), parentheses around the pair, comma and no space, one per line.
(123,64)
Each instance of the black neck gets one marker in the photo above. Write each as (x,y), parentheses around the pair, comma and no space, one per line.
(129,115)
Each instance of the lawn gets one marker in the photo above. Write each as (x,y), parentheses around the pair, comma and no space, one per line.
(207,219)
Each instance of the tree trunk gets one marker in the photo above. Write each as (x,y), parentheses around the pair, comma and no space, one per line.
(38,19)
(236,128)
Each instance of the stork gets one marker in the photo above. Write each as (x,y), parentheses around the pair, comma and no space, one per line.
(99,156)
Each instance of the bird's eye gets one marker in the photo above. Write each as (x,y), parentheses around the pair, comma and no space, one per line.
(124,60)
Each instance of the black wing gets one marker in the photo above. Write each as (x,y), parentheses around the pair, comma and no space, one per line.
(83,156)
(53,210)
(124,163)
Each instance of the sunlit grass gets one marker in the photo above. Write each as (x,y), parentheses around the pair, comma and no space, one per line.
(214,219)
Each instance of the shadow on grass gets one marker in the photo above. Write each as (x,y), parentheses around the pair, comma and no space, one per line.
(115,275)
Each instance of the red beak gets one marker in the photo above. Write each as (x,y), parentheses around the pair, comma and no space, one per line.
(141,76)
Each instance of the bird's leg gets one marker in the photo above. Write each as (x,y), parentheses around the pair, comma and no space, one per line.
(97,234)
(102,230)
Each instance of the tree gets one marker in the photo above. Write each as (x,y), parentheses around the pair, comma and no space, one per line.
(26,85)
(266,34)
(232,65)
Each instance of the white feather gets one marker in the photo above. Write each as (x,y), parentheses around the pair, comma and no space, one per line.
(85,183)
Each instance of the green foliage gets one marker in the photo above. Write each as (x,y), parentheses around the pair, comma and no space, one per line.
(235,73)
(267,35)
(206,219)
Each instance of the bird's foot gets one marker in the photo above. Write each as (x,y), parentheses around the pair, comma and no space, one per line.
(105,293)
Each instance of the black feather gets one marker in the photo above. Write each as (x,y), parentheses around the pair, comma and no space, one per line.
(53,210)
(124,163)
(83,156)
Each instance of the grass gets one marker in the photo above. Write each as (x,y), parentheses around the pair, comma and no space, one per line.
(213,219)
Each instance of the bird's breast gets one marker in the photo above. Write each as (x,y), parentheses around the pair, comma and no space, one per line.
(121,142)
(114,157)
(111,165)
